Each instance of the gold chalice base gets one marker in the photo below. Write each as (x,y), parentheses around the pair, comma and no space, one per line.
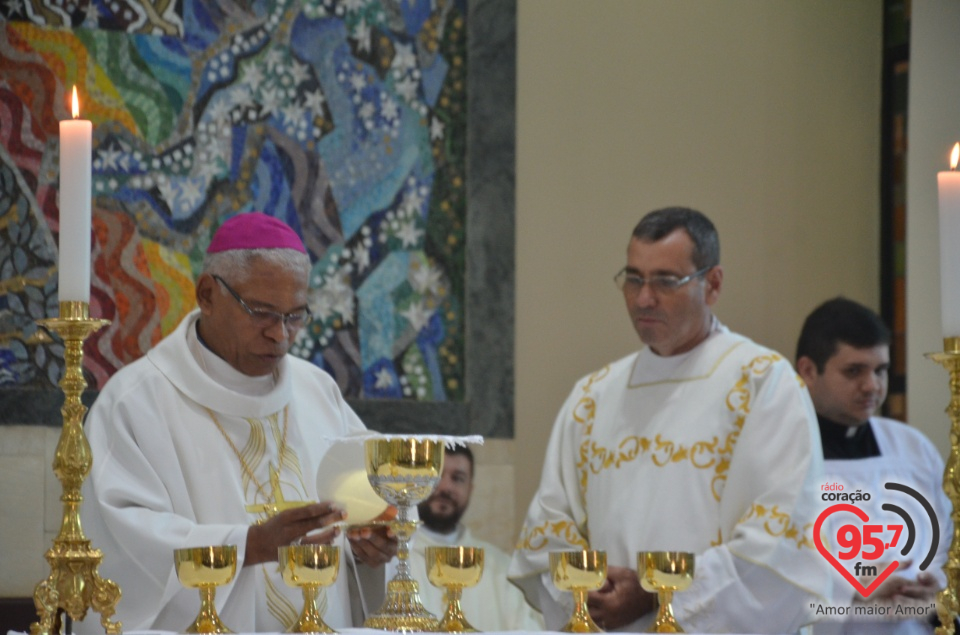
(403,472)
(579,572)
(664,572)
(309,567)
(206,568)
(453,569)
(402,610)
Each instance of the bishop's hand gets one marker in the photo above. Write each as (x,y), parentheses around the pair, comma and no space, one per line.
(291,525)
(372,545)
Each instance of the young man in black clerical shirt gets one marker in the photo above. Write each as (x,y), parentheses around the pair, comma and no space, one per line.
(843,355)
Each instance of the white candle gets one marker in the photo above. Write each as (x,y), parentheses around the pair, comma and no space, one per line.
(76,174)
(948,187)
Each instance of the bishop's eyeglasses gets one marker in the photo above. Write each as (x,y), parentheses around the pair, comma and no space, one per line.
(265,318)
(631,283)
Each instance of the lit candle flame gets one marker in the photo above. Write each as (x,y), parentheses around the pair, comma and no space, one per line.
(76,103)
(955,156)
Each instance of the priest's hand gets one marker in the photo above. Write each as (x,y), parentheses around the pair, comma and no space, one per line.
(620,601)
(900,589)
(372,545)
(289,526)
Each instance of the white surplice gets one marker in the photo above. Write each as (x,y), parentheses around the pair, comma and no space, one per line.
(165,476)
(494,604)
(715,451)
(906,457)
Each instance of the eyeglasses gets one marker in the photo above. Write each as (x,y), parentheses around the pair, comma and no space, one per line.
(631,284)
(265,318)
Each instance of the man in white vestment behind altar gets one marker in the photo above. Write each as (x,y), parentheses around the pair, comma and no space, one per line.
(702,441)
(214,438)
(843,355)
(494,604)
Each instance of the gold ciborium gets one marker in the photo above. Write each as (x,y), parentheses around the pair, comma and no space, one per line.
(664,572)
(453,569)
(309,567)
(206,568)
(403,471)
(579,572)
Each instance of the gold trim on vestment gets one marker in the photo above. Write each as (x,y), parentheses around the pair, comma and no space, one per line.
(681,379)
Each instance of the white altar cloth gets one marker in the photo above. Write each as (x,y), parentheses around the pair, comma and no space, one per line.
(348,631)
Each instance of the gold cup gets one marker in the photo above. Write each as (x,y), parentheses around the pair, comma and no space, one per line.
(579,572)
(309,567)
(206,568)
(403,471)
(664,572)
(453,569)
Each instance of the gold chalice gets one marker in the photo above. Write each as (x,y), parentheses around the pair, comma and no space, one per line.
(403,471)
(453,569)
(309,567)
(579,572)
(206,568)
(664,572)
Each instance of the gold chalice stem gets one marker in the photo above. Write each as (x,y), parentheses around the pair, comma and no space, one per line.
(310,620)
(453,620)
(665,622)
(581,622)
(208,621)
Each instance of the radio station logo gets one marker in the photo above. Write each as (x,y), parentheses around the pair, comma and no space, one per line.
(863,541)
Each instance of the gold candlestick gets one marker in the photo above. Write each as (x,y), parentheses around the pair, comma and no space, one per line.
(73,585)
(947,602)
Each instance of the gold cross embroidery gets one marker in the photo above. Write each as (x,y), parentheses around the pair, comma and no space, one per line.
(279,503)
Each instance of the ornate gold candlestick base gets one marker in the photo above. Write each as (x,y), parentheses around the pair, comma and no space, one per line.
(947,602)
(73,585)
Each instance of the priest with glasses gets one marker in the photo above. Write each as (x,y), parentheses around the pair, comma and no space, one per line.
(700,441)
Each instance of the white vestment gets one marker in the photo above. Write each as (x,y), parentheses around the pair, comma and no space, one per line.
(906,457)
(494,604)
(165,437)
(715,451)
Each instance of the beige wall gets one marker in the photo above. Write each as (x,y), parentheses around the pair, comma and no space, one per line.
(763,114)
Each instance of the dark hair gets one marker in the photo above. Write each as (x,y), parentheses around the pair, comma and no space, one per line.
(839,321)
(462,450)
(660,223)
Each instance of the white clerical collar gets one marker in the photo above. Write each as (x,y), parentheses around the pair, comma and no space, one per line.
(220,371)
(650,368)
(176,357)
(223,373)
(448,540)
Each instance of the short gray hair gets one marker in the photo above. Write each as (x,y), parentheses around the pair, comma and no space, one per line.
(235,265)
(659,223)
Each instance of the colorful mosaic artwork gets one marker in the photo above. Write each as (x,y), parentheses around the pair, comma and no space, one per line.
(344,118)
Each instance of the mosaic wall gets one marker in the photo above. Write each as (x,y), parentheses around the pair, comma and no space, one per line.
(344,118)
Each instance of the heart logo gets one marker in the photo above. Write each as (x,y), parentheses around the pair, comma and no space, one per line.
(862,515)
